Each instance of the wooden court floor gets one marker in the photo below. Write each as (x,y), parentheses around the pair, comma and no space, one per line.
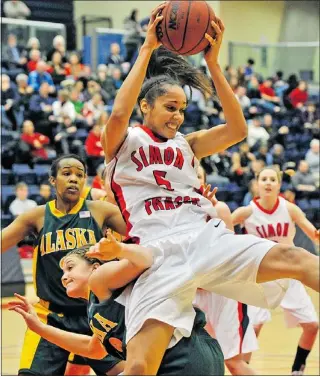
(275,356)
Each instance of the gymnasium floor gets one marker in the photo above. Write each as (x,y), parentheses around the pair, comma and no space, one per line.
(277,344)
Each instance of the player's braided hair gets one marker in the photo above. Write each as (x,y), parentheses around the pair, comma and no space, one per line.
(167,68)
(81,252)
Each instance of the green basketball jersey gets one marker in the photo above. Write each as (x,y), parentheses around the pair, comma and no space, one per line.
(60,234)
(194,356)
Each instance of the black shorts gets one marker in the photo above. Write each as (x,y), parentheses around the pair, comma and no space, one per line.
(198,355)
(42,358)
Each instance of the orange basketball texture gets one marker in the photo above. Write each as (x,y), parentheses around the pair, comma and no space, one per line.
(184,25)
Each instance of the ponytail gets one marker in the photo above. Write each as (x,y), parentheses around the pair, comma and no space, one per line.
(167,68)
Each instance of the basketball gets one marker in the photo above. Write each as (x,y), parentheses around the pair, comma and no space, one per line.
(184,25)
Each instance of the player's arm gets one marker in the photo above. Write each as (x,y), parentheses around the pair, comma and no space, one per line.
(134,259)
(97,194)
(83,345)
(207,142)
(299,217)
(108,215)
(23,225)
(240,215)
(115,130)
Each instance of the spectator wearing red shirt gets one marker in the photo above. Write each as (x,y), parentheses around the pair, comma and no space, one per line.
(98,182)
(34,58)
(267,92)
(94,149)
(299,96)
(35,140)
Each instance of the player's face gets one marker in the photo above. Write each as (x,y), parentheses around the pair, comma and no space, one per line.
(76,274)
(268,183)
(70,179)
(167,114)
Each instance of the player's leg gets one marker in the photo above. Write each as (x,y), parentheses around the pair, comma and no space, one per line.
(306,342)
(238,367)
(76,368)
(299,311)
(40,357)
(146,349)
(284,261)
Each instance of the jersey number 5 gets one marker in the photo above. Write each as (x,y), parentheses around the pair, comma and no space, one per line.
(159,176)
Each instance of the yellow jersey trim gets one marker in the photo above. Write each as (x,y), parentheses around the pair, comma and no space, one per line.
(74,210)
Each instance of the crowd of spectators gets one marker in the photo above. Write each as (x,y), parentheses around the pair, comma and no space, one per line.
(52,103)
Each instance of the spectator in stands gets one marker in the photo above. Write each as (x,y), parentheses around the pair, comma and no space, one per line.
(253,88)
(106,82)
(96,106)
(115,59)
(24,92)
(63,107)
(16,9)
(77,69)
(77,103)
(309,115)
(117,77)
(264,155)
(279,84)
(268,123)
(252,193)
(45,194)
(230,72)
(132,38)
(256,134)
(9,100)
(65,135)
(21,203)
(13,55)
(33,44)
(42,103)
(93,147)
(37,77)
(59,44)
(248,70)
(292,84)
(313,159)
(279,136)
(299,96)
(241,76)
(278,155)
(303,180)
(57,68)
(34,58)
(98,182)
(269,96)
(35,140)
(242,97)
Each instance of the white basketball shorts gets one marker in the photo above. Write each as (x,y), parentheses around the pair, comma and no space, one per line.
(207,256)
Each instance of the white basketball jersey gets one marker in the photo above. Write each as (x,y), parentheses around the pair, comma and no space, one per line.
(156,186)
(275,225)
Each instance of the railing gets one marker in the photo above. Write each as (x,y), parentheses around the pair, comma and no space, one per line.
(25,29)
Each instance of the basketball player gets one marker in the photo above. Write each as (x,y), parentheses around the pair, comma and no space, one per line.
(196,355)
(61,225)
(227,318)
(155,183)
(271,216)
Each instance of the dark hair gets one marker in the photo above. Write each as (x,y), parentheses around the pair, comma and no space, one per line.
(81,252)
(279,74)
(250,61)
(55,164)
(167,68)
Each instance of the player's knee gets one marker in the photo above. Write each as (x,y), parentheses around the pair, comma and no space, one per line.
(234,365)
(295,259)
(137,367)
(311,328)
